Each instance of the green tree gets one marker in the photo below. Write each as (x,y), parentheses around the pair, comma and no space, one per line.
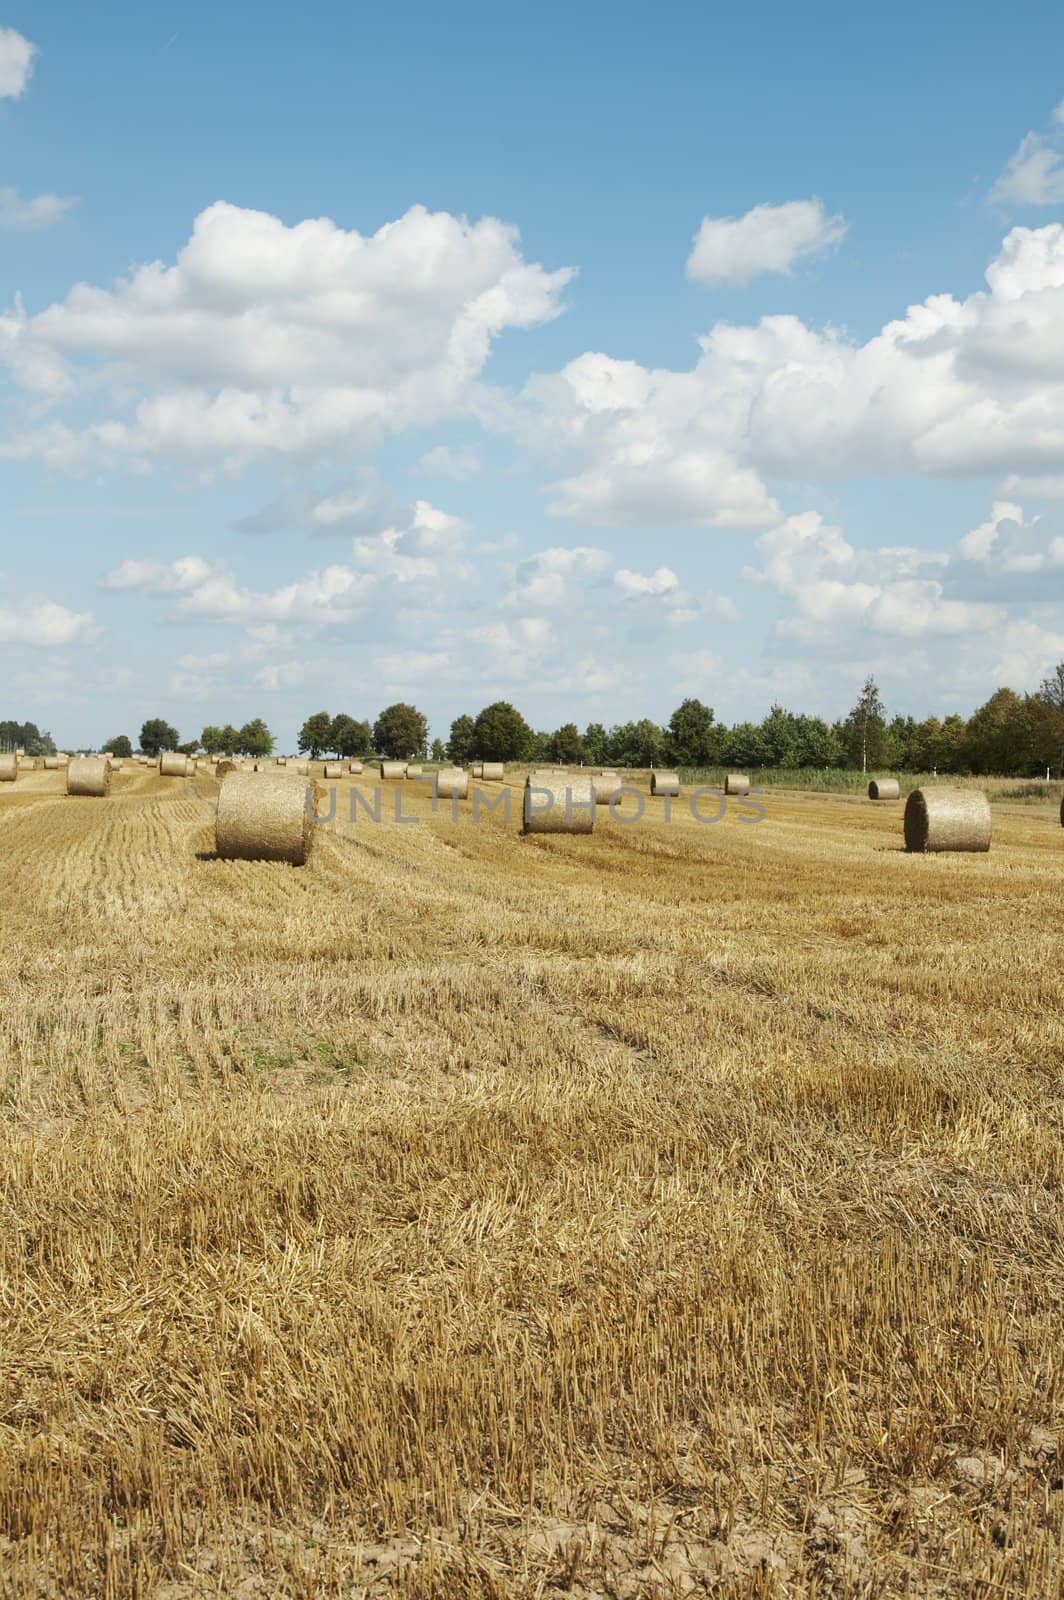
(255,739)
(997,739)
(595,744)
(500,733)
(779,737)
(636,744)
(744,746)
(1052,690)
(230,739)
(120,747)
(815,744)
(566,745)
(189,748)
(954,733)
(400,731)
(866,729)
(315,734)
(692,736)
(460,743)
(349,738)
(156,735)
(439,750)
(212,739)
(1046,733)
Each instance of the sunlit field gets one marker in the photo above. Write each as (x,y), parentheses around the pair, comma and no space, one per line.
(675,1210)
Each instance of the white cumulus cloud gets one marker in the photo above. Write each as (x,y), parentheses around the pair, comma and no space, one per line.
(766,239)
(16,63)
(44,624)
(20,213)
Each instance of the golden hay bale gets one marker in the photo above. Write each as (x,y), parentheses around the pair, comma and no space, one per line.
(606,785)
(415,771)
(8,769)
(51,763)
(333,769)
(265,819)
(884,789)
(173,765)
(303,769)
(89,775)
(476,769)
(27,764)
(116,765)
(571,808)
(452,783)
(282,761)
(355,767)
(664,783)
(223,767)
(491,771)
(736,783)
(393,769)
(947,819)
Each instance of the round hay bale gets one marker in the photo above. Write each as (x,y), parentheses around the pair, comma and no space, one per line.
(303,769)
(947,819)
(491,771)
(415,771)
(8,769)
(664,783)
(89,775)
(884,789)
(355,767)
(116,765)
(265,819)
(571,810)
(50,763)
(333,769)
(736,783)
(223,767)
(477,769)
(27,764)
(282,761)
(173,765)
(452,783)
(606,785)
(393,769)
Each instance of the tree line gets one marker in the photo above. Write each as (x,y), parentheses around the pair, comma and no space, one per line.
(1011,735)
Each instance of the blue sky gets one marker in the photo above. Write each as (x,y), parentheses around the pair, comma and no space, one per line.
(361,355)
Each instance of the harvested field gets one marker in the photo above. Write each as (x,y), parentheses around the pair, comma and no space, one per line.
(671,1210)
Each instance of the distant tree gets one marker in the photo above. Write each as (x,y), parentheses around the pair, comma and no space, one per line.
(315,734)
(189,748)
(157,734)
(692,736)
(212,740)
(460,744)
(997,739)
(779,738)
(1052,690)
(954,733)
(439,750)
(538,745)
(500,733)
(566,744)
(866,729)
(636,744)
(815,744)
(1046,733)
(350,738)
(255,739)
(230,739)
(595,744)
(401,730)
(926,746)
(120,747)
(744,746)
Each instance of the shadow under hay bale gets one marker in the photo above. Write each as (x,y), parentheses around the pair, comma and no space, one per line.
(947,819)
(265,818)
(559,805)
(884,789)
(89,775)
